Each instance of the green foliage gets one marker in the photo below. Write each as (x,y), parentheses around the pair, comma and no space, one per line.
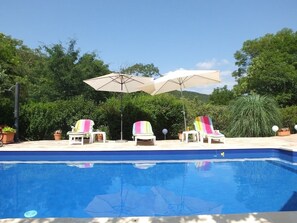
(139,69)
(15,62)
(191,95)
(163,111)
(8,129)
(6,111)
(54,76)
(253,116)
(49,73)
(267,66)
(61,71)
(218,114)
(42,119)
(289,117)
(221,96)
(9,60)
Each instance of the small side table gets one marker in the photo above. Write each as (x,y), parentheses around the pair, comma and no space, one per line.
(185,135)
(93,134)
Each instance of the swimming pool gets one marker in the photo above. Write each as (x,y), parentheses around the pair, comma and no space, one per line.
(111,188)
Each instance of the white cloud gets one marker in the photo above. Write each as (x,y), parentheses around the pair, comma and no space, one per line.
(205,65)
(226,73)
(211,64)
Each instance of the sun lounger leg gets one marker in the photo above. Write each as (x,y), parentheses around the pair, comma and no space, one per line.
(73,139)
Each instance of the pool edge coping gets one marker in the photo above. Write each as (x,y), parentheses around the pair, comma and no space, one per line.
(267,217)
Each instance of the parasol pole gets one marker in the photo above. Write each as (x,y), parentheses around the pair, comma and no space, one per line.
(122,83)
(121,116)
(183,111)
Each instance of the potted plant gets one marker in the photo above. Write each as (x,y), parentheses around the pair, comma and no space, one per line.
(8,134)
(284,132)
(58,134)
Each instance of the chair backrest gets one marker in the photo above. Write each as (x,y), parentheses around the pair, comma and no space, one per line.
(204,124)
(84,125)
(142,127)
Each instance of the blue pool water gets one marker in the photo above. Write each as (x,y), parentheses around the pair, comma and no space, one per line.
(146,189)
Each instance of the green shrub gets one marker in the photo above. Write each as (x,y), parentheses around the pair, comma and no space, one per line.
(40,120)
(253,116)
(166,112)
(289,117)
(163,111)
(6,111)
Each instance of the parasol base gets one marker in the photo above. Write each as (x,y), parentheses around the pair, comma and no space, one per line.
(121,141)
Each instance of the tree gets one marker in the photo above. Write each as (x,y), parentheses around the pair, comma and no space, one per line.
(139,69)
(60,73)
(268,66)
(221,96)
(16,61)
(8,60)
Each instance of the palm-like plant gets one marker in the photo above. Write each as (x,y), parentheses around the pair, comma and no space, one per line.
(253,116)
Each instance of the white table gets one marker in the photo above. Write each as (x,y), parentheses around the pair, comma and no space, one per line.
(76,138)
(185,135)
(93,134)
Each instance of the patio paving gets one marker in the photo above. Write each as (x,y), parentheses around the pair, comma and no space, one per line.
(285,142)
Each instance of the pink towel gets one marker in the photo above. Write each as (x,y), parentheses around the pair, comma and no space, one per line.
(207,125)
(87,125)
(142,127)
(84,125)
(204,123)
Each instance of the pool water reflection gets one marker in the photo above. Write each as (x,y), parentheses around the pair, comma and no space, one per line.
(146,189)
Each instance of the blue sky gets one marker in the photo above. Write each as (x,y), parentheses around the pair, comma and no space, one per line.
(171,34)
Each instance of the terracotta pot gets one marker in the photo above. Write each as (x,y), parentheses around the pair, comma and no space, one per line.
(283,132)
(8,137)
(99,137)
(58,136)
(180,136)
